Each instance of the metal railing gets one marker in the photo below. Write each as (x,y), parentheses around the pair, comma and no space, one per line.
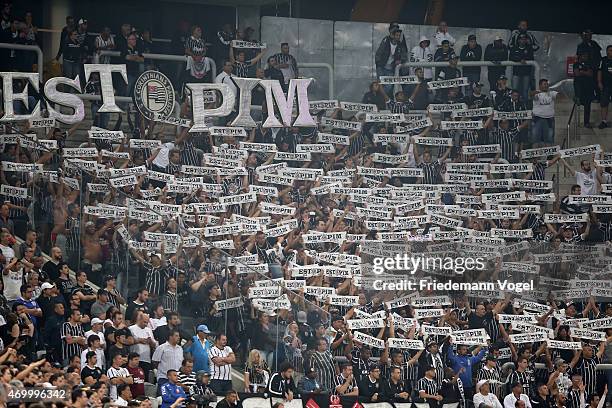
(33,48)
(470,64)
(330,70)
(155,57)
(183,58)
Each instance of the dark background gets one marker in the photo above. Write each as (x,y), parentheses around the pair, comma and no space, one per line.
(163,16)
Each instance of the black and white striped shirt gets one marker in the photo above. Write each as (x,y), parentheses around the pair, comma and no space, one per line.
(241,69)
(155,279)
(70,330)
(493,374)
(73,226)
(431,172)
(113,372)
(573,399)
(340,380)
(507,139)
(170,302)
(325,366)
(222,372)
(526,378)
(587,367)
(189,154)
(429,386)
(187,379)
(195,45)
(398,107)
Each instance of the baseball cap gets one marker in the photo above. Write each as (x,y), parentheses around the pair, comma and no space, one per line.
(395,29)
(108,278)
(431,343)
(96,320)
(374,366)
(203,328)
(477,85)
(445,42)
(302,317)
(82,21)
(46,285)
(498,38)
(471,37)
(480,383)
(102,292)
(502,77)
(309,370)
(490,357)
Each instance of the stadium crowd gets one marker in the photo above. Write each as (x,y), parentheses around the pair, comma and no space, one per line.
(251,249)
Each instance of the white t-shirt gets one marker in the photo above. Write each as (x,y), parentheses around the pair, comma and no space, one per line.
(100,335)
(101,359)
(587,182)
(12,284)
(544,104)
(143,349)
(162,160)
(389,63)
(8,254)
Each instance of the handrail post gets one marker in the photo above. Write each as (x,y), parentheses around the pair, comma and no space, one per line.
(33,48)
(330,70)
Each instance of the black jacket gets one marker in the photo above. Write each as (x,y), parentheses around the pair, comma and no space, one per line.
(518,54)
(278,386)
(493,53)
(384,50)
(471,54)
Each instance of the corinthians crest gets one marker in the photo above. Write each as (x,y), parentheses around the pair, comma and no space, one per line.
(154,95)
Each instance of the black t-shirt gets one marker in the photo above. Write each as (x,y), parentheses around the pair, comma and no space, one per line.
(51,269)
(95,372)
(605,66)
(132,67)
(133,307)
(65,287)
(476,322)
(367,388)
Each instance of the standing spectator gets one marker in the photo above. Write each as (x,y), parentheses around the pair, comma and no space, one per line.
(584,85)
(171,391)
(91,372)
(139,303)
(287,63)
(472,51)
(132,55)
(199,347)
(422,53)
(32,308)
(462,363)
(73,56)
(110,286)
(137,373)
(272,72)
(376,96)
(443,34)
(101,305)
(198,64)
(167,357)
(121,40)
(544,114)
(144,341)
(63,36)
(523,375)
(443,54)
(496,52)
(590,47)
(419,93)
(225,77)
(73,336)
(241,65)
(521,75)
(223,41)
(390,53)
(105,42)
(604,84)
(221,359)
(522,30)
(117,374)
(324,364)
